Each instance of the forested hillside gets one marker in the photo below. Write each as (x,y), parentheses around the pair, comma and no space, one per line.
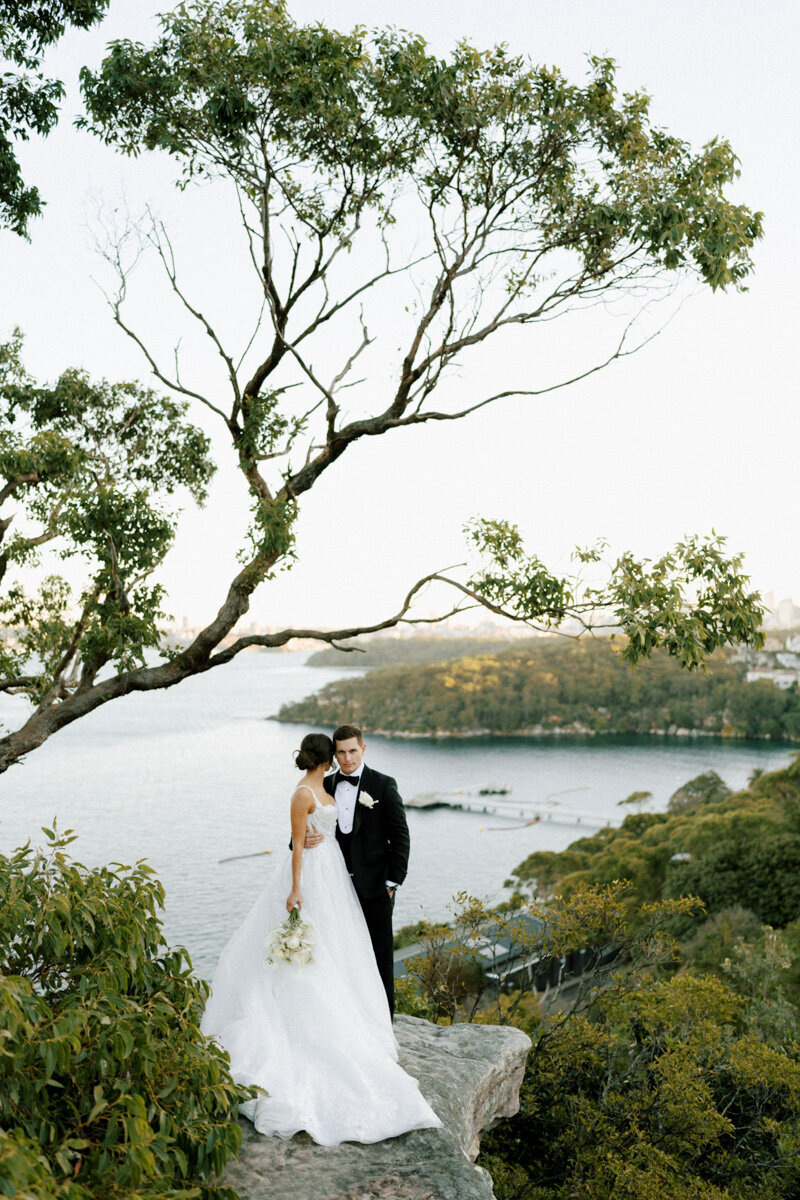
(733,850)
(675,1075)
(554,685)
(389,651)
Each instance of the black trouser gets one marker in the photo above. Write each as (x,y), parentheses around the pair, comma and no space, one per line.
(378,915)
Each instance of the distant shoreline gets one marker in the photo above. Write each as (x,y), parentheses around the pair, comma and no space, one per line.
(409,735)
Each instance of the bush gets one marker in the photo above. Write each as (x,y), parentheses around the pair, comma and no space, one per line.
(658,1094)
(409,999)
(717,938)
(107,1086)
(703,789)
(763,876)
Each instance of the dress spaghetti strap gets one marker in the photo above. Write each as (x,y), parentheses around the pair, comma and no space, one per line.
(317,802)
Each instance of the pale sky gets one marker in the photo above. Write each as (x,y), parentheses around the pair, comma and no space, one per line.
(699,431)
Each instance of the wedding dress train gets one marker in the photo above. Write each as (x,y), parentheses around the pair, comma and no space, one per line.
(317,1038)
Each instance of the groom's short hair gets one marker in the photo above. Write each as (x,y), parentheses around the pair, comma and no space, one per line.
(345,732)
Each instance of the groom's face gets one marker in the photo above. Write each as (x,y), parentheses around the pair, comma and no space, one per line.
(349,755)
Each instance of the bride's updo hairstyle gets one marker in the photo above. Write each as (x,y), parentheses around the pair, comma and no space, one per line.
(315,749)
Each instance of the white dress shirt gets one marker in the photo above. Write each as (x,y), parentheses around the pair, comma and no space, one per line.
(345,795)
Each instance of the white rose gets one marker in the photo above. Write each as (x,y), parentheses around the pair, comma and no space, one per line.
(365,799)
(293,942)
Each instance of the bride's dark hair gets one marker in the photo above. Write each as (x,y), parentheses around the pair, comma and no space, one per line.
(315,749)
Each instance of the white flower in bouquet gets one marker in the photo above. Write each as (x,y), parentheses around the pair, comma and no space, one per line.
(291,942)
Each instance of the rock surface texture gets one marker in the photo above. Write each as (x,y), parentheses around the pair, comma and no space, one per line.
(470,1075)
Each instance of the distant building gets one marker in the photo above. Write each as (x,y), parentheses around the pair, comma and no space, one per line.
(508,962)
(788,614)
(781,677)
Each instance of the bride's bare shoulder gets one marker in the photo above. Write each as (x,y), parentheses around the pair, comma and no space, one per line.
(303,797)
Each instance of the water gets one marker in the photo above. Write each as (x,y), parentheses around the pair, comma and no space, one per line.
(186,777)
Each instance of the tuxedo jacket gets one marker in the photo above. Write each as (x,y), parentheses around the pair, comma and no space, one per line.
(377,849)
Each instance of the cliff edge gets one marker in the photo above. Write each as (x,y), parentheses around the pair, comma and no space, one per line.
(470,1075)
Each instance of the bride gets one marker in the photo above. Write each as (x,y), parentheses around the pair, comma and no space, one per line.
(316,1038)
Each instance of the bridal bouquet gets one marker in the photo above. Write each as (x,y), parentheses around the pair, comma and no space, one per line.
(292,941)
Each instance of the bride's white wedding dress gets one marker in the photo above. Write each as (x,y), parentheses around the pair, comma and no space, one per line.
(317,1038)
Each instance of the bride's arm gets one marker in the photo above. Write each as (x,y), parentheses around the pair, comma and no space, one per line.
(301,807)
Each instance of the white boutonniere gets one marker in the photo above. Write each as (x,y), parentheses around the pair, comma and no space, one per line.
(365,799)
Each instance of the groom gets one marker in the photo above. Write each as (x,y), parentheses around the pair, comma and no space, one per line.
(372,832)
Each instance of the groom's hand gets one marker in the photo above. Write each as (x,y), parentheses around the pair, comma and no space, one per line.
(312,839)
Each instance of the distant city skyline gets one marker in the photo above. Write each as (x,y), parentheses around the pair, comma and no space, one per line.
(785,613)
(698,432)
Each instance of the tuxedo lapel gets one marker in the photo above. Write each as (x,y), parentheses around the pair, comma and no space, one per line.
(362,785)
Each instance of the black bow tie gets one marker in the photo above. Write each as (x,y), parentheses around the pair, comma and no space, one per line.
(354,779)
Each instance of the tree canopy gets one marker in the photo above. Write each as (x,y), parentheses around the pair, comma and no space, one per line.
(29,101)
(660,1092)
(647,1076)
(525,197)
(726,848)
(91,469)
(107,1086)
(685,1083)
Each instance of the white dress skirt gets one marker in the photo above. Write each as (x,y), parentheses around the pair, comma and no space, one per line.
(317,1038)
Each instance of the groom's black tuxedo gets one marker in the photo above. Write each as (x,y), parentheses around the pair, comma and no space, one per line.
(376,851)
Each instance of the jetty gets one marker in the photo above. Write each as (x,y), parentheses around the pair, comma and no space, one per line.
(530,812)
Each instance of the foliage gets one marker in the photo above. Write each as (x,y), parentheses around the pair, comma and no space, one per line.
(107,1086)
(756,969)
(553,684)
(409,999)
(28,101)
(739,849)
(689,602)
(390,651)
(636,799)
(716,939)
(448,970)
(90,467)
(485,963)
(762,875)
(407,935)
(641,1082)
(238,87)
(707,788)
(660,1091)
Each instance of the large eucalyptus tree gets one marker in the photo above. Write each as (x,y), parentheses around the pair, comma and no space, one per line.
(377,185)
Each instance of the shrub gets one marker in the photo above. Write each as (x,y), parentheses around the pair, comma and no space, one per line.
(107,1086)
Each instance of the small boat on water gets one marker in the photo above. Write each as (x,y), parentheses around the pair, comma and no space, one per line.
(435,800)
(456,799)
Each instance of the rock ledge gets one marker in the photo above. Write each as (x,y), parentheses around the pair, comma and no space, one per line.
(470,1075)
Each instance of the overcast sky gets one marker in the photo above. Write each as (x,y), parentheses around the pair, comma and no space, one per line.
(699,431)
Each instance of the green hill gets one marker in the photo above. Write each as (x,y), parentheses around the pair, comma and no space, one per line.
(554,685)
(389,651)
(731,849)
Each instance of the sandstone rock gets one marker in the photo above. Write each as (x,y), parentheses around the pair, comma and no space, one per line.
(470,1074)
